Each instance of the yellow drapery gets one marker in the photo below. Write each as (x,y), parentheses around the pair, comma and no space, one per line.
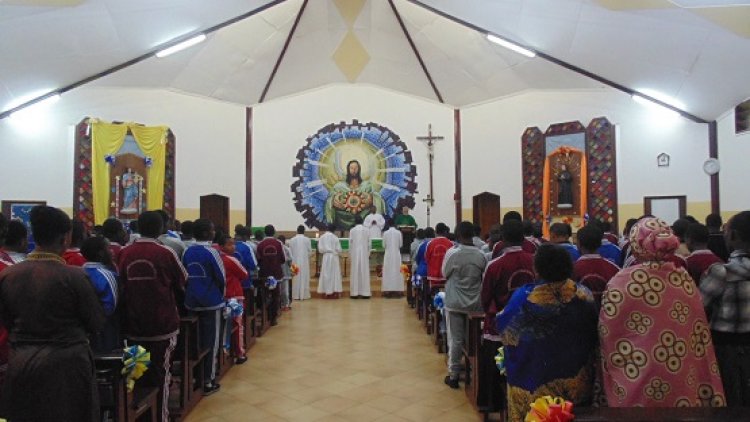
(583,201)
(107,139)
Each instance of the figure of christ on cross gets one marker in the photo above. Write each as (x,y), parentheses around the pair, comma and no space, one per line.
(430,141)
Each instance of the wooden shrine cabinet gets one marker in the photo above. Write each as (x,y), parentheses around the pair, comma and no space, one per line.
(216,208)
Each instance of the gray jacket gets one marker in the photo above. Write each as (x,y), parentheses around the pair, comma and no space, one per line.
(463,267)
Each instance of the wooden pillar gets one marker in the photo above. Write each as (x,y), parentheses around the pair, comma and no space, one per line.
(248,166)
(457,143)
(713,152)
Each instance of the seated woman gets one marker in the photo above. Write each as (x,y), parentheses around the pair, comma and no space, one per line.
(655,342)
(549,333)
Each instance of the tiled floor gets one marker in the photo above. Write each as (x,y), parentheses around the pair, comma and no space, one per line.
(340,360)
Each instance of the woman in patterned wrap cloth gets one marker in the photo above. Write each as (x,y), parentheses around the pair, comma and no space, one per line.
(655,342)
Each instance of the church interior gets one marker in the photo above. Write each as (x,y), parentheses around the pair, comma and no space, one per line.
(316,112)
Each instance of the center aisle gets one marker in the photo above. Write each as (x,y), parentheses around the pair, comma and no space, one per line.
(340,360)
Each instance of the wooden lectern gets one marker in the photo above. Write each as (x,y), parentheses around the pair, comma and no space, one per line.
(216,208)
(486,208)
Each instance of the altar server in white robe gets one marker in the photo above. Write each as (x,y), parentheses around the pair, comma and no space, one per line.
(301,247)
(329,282)
(359,254)
(375,223)
(393,280)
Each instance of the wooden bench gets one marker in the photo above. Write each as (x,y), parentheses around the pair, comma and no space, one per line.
(186,369)
(471,355)
(116,402)
(431,288)
(262,303)
(661,414)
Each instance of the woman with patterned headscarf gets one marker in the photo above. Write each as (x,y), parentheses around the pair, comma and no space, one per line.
(655,342)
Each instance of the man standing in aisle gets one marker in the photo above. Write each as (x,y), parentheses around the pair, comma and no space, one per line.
(359,253)
(301,247)
(329,246)
(270,259)
(393,280)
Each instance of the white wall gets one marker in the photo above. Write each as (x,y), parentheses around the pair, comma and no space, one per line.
(734,151)
(491,147)
(281,127)
(37,157)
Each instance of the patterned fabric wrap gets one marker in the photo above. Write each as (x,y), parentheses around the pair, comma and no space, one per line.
(652,240)
(655,341)
(549,334)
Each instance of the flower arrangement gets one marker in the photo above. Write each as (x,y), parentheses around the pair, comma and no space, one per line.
(271,283)
(234,307)
(500,360)
(550,409)
(136,360)
(439,301)
(294,269)
(416,280)
(405,269)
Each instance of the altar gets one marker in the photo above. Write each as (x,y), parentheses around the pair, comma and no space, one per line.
(376,247)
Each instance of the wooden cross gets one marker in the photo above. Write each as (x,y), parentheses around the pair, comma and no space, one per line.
(430,141)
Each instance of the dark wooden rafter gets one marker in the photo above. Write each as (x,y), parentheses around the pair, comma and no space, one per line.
(416,51)
(283,51)
(248,166)
(457,145)
(140,58)
(713,152)
(566,65)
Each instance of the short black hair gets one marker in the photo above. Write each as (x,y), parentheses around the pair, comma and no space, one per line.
(187,229)
(629,226)
(697,233)
(420,234)
(679,227)
(358,220)
(740,224)
(133,226)
(561,229)
(590,237)
(164,217)
(442,228)
(331,227)
(512,215)
(477,229)
(259,234)
(49,225)
(553,263)
(269,230)
(465,230)
(690,219)
(151,224)
(93,248)
(202,229)
(714,220)
(528,228)
(221,238)
(112,229)
(513,231)
(429,232)
(300,229)
(17,233)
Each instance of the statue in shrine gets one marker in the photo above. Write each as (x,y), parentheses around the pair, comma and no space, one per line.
(564,188)
(130,192)
(352,197)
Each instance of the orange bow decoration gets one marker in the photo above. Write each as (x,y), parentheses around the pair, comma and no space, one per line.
(550,409)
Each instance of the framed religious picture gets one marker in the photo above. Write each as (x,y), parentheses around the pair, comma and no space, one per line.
(20,210)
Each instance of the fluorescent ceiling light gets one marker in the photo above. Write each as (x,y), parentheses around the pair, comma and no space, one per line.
(42,102)
(511,45)
(181,46)
(710,3)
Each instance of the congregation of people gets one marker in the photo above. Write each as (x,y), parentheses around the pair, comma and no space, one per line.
(657,317)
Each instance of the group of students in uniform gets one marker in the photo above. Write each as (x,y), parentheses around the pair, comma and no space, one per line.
(76,294)
(656,318)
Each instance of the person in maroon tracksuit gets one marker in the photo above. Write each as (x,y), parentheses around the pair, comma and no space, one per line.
(270,255)
(153,282)
(591,269)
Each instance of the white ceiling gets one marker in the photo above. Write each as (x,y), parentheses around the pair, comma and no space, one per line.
(644,44)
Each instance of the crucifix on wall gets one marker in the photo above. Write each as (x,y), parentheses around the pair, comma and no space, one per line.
(430,140)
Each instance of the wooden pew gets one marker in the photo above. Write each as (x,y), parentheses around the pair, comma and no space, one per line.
(224,358)
(471,355)
(262,303)
(431,288)
(186,369)
(250,318)
(119,404)
(661,414)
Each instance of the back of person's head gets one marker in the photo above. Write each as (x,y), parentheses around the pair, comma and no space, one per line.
(203,229)
(17,235)
(165,220)
(331,227)
(714,221)
(420,234)
(237,228)
(113,230)
(740,226)
(477,230)
(553,263)
(496,233)
(97,230)
(300,229)
(690,219)
(606,226)
(429,233)
(696,233)
(528,228)
(465,231)
(513,232)
(150,224)
(269,230)
(358,220)
(188,229)
(49,226)
(512,215)
(96,249)
(679,227)
(538,232)
(259,234)
(442,229)
(221,238)
(133,226)
(590,238)
(79,233)
(628,226)
(561,230)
